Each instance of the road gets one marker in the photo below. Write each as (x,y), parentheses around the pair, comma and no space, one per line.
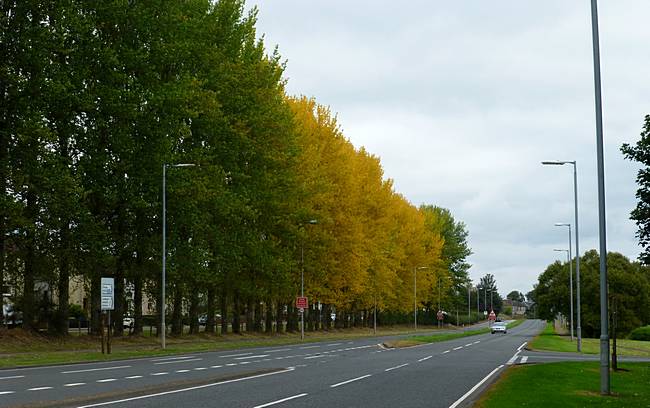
(357,373)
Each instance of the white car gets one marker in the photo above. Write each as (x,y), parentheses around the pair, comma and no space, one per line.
(127,323)
(499,327)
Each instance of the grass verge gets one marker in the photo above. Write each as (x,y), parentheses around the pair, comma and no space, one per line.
(549,340)
(435,338)
(568,385)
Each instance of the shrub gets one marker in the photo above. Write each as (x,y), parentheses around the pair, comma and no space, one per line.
(641,333)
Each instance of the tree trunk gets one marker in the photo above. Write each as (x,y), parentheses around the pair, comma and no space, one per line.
(137,301)
(250,315)
(279,317)
(95,305)
(194,311)
(210,323)
(268,324)
(177,313)
(236,324)
(327,317)
(224,312)
(30,254)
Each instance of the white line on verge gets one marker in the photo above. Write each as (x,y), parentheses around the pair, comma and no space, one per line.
(468,393)
(95,369)
(280,401)
(185,389)
(12,377)
(423,359)
(396,367)
(349,381)
(178,361)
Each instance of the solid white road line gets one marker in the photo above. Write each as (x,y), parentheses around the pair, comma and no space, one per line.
(6,392)
(280,401)
(522,346)
(12,377)
(316,356)
(468,393)
(73,384)
(513,358)
(95,369)
(349,381)
(257,356)
(333,344)
(185,389)
(277,351)
(236,355)
(309,347)
(524,359)
(396,367)
(423,359)
(39,388)
(107,380)
(179,361)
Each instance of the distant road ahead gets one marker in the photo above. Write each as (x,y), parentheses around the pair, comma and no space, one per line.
(355,373)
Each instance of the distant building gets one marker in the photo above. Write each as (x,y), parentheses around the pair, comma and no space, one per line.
(518,308)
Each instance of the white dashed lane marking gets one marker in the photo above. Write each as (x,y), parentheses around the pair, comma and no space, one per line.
(73,384)
(105,380)
(133,377)
(446,351)
(236,355)
(179,361)
(280,401)
(424,359)
(458,348)
(39,388)
(6,392)
(396,367)
(182,371)
(277,351)
(95,369)
(349,381)
(258,356)
(12,377)
(162,373)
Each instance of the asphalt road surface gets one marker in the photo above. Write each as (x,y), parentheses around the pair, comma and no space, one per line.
(357,373)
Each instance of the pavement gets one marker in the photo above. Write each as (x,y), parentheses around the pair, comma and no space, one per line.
(358,373)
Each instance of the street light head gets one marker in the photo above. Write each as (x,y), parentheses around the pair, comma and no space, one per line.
(562,224)
(554,163)
(561,250)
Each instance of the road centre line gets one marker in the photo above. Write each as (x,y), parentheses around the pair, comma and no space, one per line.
(178,361)
(349,381)
(280,401)
(12,377)
(236,355)
(424,359)
(39,388)
(95,369)
(468,393)
(396,367)
(257,356)
(185,389)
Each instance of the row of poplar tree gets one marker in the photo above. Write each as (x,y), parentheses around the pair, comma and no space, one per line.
(98,96)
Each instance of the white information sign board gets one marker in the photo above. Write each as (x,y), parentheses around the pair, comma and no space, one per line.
(108,295)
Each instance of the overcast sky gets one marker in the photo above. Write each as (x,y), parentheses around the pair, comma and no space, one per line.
(462,100)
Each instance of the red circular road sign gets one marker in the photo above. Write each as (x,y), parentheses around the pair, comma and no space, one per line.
(301,302)
(440,315)
(492,316)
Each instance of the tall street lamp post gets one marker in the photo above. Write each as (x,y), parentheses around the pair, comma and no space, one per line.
(302,282)
(415,295)
(577,235)
(568,252)
(560,224)
(163,331)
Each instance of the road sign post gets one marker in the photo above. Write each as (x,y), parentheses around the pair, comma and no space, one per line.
(107,304)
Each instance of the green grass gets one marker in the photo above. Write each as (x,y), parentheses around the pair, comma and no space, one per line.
(435,338)
(548,340)
(568,385)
